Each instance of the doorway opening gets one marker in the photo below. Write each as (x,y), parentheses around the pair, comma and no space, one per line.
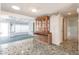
(70,33)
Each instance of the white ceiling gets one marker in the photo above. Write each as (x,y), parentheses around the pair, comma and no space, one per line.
(42,8)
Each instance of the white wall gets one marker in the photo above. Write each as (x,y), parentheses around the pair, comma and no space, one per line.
(56,28)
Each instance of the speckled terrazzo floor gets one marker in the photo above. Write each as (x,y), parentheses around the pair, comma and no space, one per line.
(32,47)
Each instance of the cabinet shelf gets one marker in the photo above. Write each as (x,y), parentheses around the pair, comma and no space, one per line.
(42,28)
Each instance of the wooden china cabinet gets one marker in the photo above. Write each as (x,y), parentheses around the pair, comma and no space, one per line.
(42,29)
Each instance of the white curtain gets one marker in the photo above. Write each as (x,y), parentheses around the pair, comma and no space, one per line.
(4,29)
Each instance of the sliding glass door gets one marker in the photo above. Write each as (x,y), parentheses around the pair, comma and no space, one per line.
(72,28)
(71,33)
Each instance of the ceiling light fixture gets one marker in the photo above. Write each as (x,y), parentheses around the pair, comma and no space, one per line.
(34,10)
(15,7)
